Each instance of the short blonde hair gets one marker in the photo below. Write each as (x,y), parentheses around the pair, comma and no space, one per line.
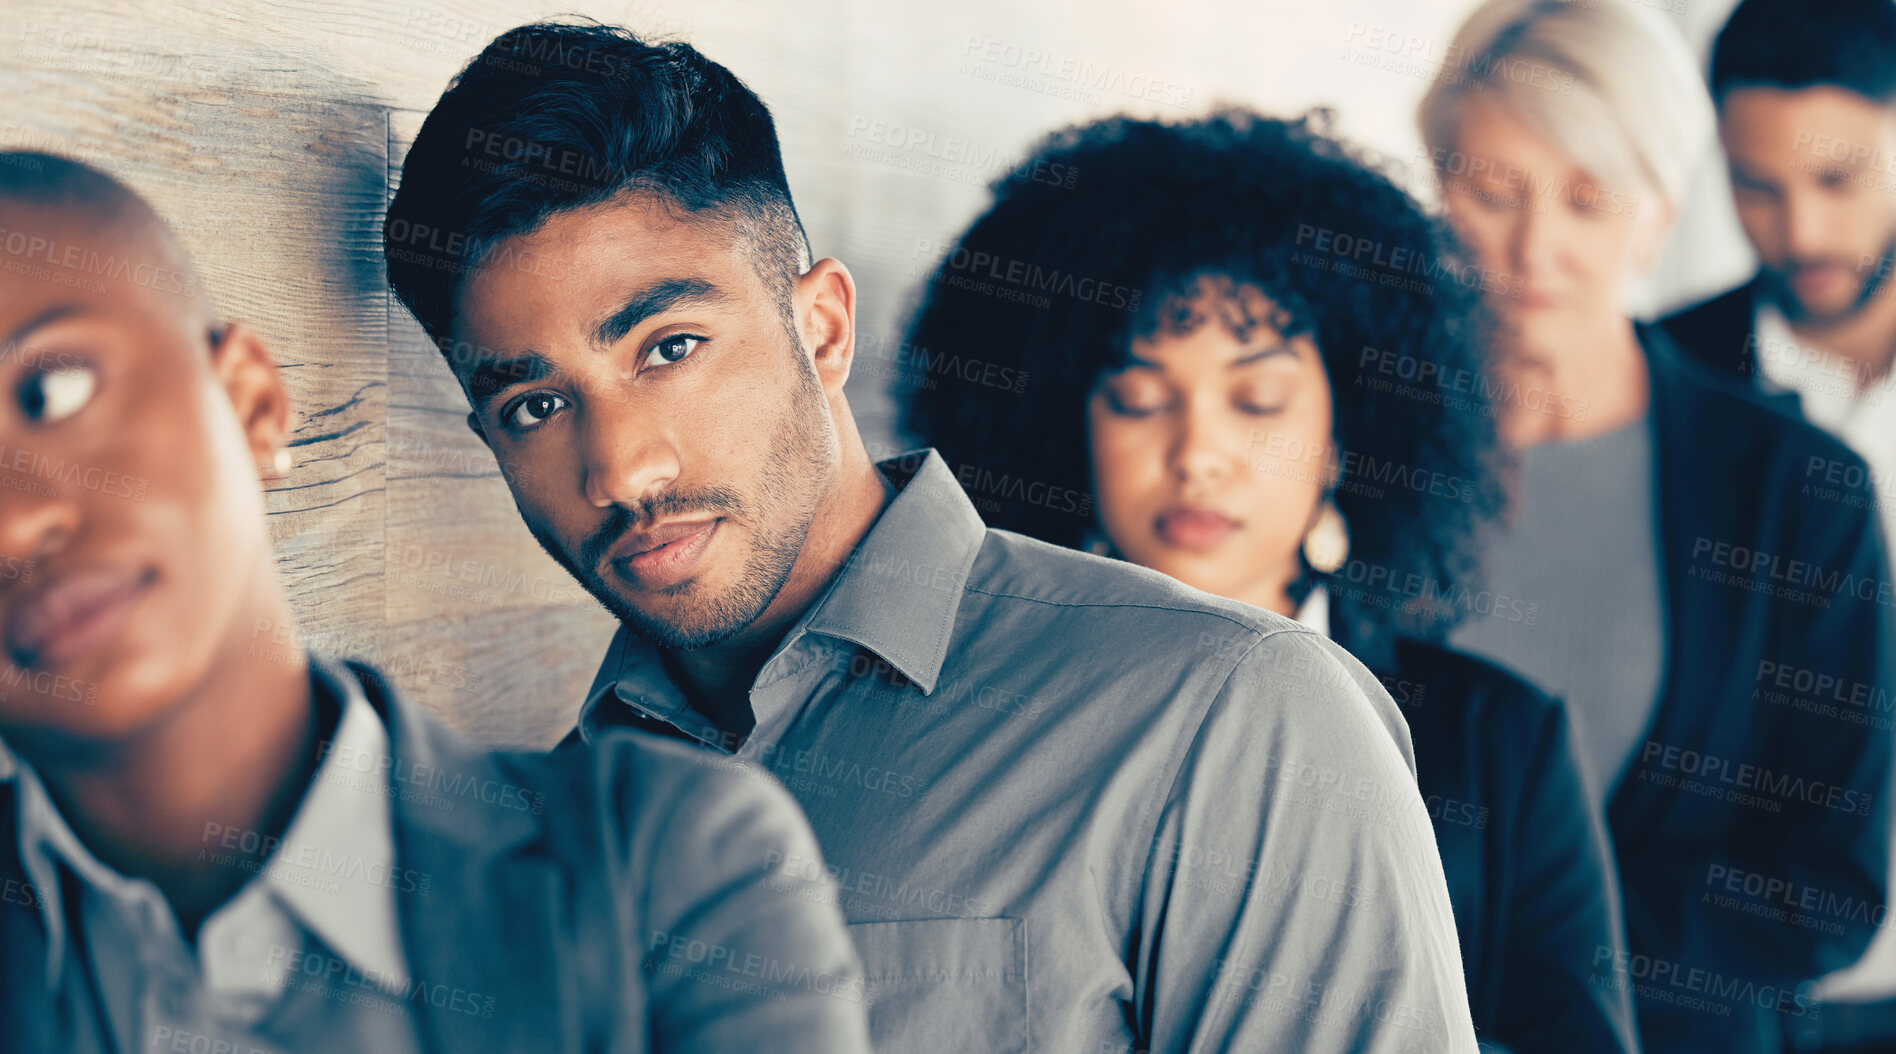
(1613,84)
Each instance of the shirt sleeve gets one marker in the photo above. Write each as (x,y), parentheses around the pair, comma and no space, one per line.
(1336,933)
(744,947)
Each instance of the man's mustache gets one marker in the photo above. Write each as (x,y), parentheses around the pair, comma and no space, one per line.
(625,518)
(1859,266)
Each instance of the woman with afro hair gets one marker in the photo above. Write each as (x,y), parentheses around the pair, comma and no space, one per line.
(1264,367)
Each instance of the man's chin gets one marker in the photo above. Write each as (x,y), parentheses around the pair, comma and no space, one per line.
(674,634)
(1819,313)
(1841,302)
(681,617)
(715,603)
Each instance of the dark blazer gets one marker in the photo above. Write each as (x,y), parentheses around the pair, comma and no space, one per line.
(1530,875)
(549,911)
(1717,333)
(1773,582)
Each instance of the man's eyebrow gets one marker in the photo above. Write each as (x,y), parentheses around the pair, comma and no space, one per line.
(493,373)
(661,296)
(45,318)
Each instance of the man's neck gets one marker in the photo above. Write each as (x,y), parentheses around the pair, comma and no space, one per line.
(237,754)
(1865,338)
(717,678)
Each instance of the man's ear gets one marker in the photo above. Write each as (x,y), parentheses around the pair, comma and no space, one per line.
(255,387)
(824,299)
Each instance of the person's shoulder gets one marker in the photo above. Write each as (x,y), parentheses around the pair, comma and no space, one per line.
(626,781)
(1714,331)
(1139,642)
(645,811)
(1018,569)
(630,766)
(1789,437)
(1733,303)
(1735,408)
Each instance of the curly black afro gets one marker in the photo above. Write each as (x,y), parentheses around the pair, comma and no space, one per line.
(1051,286)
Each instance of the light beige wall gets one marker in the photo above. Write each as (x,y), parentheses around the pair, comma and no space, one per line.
(268,132)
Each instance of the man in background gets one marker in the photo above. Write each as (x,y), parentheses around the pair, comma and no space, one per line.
(1806,97)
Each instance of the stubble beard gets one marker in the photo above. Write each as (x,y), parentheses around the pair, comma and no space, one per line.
(1875,283)
(794,479)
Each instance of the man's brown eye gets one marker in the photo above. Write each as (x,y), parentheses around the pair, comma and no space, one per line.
(531,409)
(672,349)
(47,396)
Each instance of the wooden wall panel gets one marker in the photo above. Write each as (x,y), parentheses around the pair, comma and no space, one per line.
(275,197)
(518,638)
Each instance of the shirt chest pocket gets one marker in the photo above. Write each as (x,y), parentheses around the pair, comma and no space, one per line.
(945,985)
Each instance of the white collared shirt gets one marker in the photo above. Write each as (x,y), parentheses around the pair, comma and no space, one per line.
(1826,387)
(312,936)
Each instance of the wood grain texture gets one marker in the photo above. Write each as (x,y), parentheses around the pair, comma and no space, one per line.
(516,637)
(275,197)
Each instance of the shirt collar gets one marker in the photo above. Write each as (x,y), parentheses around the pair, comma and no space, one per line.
(339,819)
(896,596)
(345,817)
(1787,364)
(1778,353)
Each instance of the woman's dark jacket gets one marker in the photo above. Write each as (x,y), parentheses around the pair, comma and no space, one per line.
(1751,828)
(1530,875)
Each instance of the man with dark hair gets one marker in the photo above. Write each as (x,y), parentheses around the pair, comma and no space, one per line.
(1806,98)
(1073,805)
(212,839)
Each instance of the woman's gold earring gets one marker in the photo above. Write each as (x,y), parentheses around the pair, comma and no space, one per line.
(1326,543)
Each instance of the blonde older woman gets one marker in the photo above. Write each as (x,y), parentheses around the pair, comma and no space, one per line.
(1667,531)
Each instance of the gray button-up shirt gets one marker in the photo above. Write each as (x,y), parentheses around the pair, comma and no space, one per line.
(1073,805)
(307,948)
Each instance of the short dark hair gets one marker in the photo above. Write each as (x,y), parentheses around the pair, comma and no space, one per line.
(1245,202)
(28,175)
(1795,44)
(51,182)
(555,116)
